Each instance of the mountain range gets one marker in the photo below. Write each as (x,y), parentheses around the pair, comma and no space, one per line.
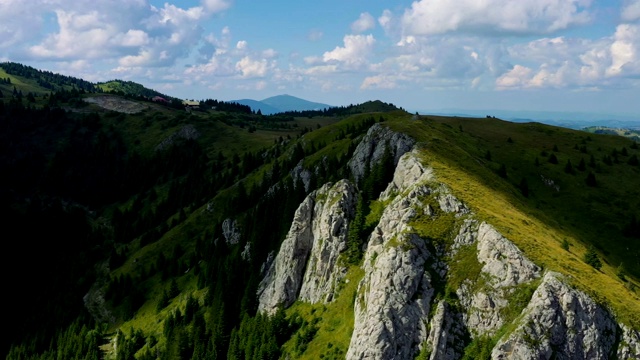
(144,229)
(281,103)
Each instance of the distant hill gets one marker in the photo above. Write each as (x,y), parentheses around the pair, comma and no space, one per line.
(256,105)
(130,88)
(282,103)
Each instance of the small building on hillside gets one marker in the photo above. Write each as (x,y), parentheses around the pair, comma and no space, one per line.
(159,99)
(190,104)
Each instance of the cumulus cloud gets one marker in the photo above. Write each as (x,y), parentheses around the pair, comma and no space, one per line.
(631,10)
(576,63)
(354,53)
(251,68)
(364,23)
(428,17)
(131,32)
(215,6)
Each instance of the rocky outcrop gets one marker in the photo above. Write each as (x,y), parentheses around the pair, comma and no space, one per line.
(371,149)
(447,333)
(407,274)
(560,322)
(230,231)
(394,297)
(187,132)
(299,173)
(305,266)
(503,267)
(629,345)
(330,230)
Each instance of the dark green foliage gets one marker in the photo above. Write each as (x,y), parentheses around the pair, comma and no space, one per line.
(555,148)
(510,140)
(524,187)
(565,244)
(487,155)
(633,160)
(479,349)
(591,258)
(591,180)
(502,171)
(582,166)
(632,229)
(553,159)
(568,168)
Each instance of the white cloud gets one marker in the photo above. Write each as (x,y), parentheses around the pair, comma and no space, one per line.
(378,82)
(354,53)
(134,38)
(631,10)
(364,23)
(241,45)
(251,68)
(515,78)
(315,35)
(625,50)
(428,17)
(576,63)
(215,6)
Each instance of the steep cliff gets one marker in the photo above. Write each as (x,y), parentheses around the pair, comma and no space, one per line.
(437,280)
(306,266)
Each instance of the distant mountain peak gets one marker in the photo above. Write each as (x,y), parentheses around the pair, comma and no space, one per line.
(282,103)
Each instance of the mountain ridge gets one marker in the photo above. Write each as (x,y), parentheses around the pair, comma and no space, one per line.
(282,103)
(172,218)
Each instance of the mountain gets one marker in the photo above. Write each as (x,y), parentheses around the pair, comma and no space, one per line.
(256,106)
(282,103)
(176,233)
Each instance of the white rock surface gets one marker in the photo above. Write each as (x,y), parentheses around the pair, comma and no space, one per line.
(560,322)
(372,147)
(305,265)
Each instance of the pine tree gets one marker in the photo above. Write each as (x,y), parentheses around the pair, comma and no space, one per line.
(568,168)
(591,180)
(524,187)
(591,258)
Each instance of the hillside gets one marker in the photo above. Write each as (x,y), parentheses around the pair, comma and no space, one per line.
(359,231)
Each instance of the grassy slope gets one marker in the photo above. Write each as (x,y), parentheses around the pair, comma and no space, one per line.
(540,223)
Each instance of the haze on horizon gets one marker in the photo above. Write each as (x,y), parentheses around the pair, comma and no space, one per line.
(513,55)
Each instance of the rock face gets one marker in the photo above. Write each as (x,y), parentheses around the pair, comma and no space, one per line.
(187,132)
(408,272)
(560,321)
(395,294)
(305,266)
(373,146)
(230,231)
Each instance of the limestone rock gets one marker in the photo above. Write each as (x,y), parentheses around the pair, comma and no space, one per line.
(504,266)
(393,299)
(629,347)
(446,334)
(372,147)
(330,230)
(230,231)
(562,322)
(305,266)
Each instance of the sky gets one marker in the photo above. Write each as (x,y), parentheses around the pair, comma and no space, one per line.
(428,55)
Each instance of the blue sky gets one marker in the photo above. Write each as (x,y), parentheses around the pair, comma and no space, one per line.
(427,55)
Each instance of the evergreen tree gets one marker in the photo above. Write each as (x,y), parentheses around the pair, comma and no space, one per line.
(568,168)
(502,171)
(591,258)
(553,159)
(524,187)
(582,166)
(591,180)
